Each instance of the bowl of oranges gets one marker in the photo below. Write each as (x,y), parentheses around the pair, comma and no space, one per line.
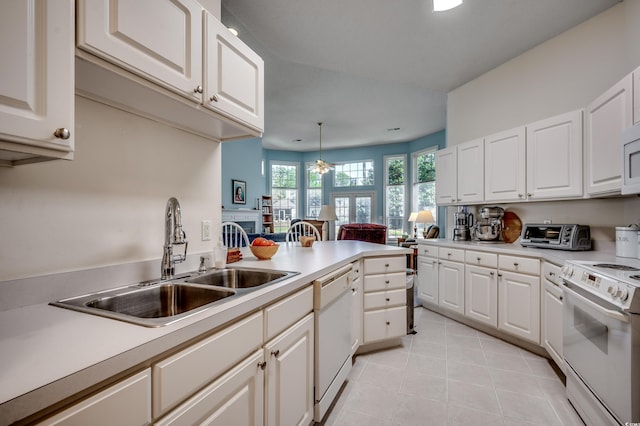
(263,249)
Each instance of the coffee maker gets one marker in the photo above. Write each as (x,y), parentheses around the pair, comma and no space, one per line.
(463,221)
(489,226)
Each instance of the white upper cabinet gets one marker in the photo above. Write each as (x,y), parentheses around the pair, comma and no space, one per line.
(636,96)
(446,176)
(606,117)
(505,165)
(471,172)
(36,88)
(233,75)
(158,40)
(554,157)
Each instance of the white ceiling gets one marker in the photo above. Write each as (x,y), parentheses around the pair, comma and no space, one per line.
(365,66)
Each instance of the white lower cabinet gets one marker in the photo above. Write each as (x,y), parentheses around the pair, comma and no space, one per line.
(519,305)
(481,294)
(384,298)
(451,279)
(125,403)
(427,278)
(357,307)
(235,398)
(289,370)
(552,295)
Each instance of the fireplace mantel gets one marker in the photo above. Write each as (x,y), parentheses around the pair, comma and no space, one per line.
(242,217)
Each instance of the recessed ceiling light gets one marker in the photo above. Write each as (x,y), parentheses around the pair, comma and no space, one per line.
(297,140)
(233,31)
(393,129)
(442,5)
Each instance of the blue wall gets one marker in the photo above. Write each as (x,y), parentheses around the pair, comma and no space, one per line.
(243,159)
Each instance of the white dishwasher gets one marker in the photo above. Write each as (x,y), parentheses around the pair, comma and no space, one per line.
(332,307)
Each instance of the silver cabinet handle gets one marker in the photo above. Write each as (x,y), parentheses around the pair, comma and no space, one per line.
(478,259)
(198,89)
(386,282)
(262,365)
(515,265)
(388,323)
(387,299)
(520,195)
(386,265)
(62,133)
(275,353)
(529,194)
(213,98)
(491,273)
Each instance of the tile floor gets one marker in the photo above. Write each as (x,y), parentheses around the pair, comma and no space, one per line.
(450,374)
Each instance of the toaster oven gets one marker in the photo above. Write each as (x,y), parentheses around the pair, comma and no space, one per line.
(556,236)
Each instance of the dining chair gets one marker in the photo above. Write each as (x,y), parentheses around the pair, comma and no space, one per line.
(233,235)
(302,228)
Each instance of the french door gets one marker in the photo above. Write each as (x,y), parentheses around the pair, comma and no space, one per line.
(354,207)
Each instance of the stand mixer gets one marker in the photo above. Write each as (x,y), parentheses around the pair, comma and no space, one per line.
(464,221)
(489,227)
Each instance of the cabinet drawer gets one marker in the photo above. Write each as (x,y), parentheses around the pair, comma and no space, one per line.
(381,265)
(480,258)
(279,316)
(385,281)
(385,324)
(455,255)
(127,402)
(523,265)
(552,272)
(180,375)
(427,250)
(385,299)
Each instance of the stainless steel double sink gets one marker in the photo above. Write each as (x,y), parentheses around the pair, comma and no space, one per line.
(158,303)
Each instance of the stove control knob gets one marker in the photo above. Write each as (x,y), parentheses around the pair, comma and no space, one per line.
(612,290)
(622,293)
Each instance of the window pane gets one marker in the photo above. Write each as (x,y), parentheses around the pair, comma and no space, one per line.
(314,202)
(283,176)
(395,171)
(314,179)
(354,174)
(425,196)
(395,211)
(342,211)
(426,167)
(363,209)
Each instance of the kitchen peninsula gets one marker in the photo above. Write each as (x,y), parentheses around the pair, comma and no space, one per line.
(54,356)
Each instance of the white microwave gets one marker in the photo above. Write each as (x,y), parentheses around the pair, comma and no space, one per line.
(631,160)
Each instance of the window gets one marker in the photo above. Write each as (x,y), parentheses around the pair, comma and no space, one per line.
(394,188)
(354,207)
(424,181)
(284,192)
(314,193)
(354,174)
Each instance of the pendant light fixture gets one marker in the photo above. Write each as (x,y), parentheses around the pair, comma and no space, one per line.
(442,5)
(320,166)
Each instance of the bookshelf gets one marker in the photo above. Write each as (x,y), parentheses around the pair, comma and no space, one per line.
(267,214)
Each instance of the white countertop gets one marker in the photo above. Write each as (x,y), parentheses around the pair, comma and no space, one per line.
(49,353)
(604,251)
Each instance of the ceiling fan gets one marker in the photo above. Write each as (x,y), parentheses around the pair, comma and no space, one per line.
(320,166)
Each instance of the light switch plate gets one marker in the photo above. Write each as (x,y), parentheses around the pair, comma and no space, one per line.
(206,230)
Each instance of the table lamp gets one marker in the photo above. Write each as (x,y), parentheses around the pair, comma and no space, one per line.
(425,216)
(412,218)
(327,213)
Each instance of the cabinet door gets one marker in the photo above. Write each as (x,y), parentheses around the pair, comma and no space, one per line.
(481,294)
(159,40)
(237,398)
(289,397)
(470,171)
(356,307)
(125,403)
(636,96)
(37,84)
(446,177)
(428,280)
(451,286)
(554,157)
(505,166)
(233,75)
(606,117)
(552,321)
(519,305)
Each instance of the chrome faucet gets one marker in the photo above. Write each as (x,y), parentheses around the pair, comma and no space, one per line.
(173,235)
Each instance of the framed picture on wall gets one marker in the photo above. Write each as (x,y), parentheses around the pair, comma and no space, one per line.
(239,188)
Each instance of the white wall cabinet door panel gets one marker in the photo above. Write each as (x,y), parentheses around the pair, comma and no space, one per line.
(233,75)
(446,176)
(428,280)
(505,165)
(554,157)
(636,96)
(289,387)
(481,294)
(519,305)
(470,172)
(37,84)
(606,117)
(160,40)
(451,286)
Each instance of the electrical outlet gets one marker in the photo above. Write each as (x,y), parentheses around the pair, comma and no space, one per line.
(206,230)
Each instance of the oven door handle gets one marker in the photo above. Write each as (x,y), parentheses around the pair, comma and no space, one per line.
(608,312)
